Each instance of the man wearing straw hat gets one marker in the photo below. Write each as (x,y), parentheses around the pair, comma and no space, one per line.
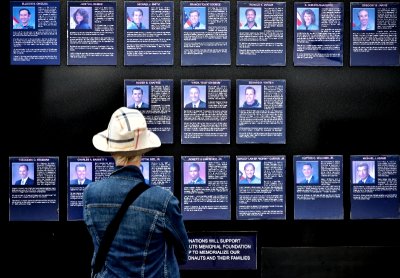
(151,239)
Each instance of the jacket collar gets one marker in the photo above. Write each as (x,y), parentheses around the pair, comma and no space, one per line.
(129,172)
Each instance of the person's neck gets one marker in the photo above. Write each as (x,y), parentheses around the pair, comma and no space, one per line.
(132,163)
(251,103)
(122,161)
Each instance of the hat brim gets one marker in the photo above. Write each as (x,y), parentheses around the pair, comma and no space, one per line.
(148,141)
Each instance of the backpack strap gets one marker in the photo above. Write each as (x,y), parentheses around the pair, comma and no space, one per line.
(112,228)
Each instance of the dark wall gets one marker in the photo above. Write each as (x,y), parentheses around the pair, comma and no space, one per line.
(55,111)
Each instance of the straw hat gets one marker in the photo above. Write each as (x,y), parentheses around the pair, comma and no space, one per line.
(126,132)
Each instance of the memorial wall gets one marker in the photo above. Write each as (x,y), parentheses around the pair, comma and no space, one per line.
(278,123)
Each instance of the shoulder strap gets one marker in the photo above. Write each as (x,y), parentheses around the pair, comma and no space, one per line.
(112,228)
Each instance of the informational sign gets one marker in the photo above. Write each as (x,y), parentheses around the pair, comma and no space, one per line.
(154,98)
(149,33)
(34,190)
(318,34)
(374,35)
(374,187)
(318,184)
(158,171)
(205,33)
(91,33)
(222,251)
(205,188)
(83,170)
(35,33)
(261,33)
(261,187)
(261,111)
(205,111)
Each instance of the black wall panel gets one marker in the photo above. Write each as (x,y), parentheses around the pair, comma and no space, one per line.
(55,111)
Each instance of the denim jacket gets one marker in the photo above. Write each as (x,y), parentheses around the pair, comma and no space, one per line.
(151,240)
